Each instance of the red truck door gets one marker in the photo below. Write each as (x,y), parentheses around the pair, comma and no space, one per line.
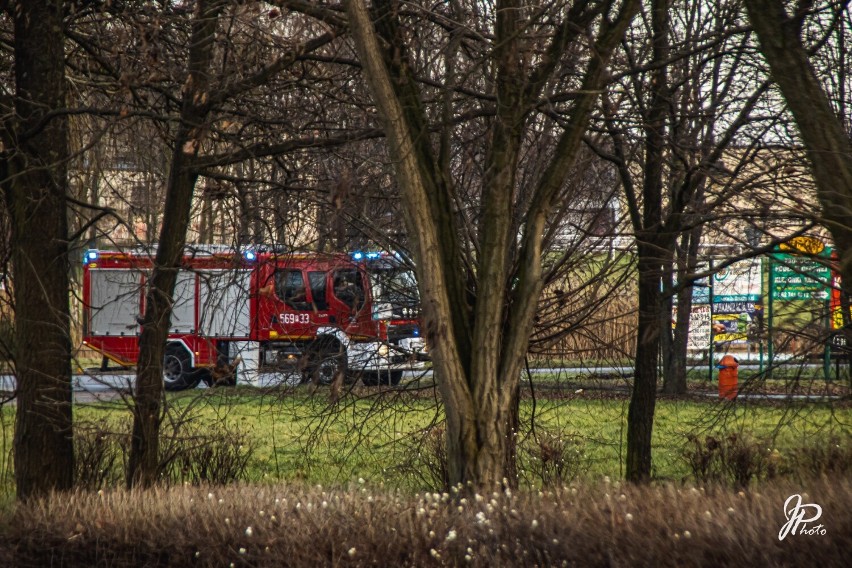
(349,301)
(294,309)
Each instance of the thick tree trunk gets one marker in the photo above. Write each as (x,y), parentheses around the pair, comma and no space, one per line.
(495,414)
(478,419)
(143,466)
(44,453)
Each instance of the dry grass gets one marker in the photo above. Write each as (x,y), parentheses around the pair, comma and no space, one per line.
(609,334)
(603,525)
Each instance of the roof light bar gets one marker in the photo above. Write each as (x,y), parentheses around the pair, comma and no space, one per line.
(359,255)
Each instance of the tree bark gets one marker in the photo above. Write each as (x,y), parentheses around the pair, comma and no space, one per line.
(437,316)
(143,466)
(36,190)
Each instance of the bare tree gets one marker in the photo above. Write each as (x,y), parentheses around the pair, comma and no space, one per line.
(228,89)
(478,321)
(33,176)
(672,121)
(201,101)
(144,456)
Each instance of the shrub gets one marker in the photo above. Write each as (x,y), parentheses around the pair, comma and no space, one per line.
(194,454)
(830,456)
(99,455)
(206,455)
(424,459)
(737,460)
(731,460)
(294,525)
(547,459)
(552,459)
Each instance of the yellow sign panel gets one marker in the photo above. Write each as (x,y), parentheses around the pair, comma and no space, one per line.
(803,245)
(837,317)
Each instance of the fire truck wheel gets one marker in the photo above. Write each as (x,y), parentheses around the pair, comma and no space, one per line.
(178,373)
(376,378)
(327,359)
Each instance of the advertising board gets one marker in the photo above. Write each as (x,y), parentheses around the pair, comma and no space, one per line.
(737,302)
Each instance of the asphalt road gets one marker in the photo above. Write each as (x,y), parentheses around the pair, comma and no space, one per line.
(105,386)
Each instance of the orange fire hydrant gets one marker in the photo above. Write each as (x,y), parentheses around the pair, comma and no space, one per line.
(728,377)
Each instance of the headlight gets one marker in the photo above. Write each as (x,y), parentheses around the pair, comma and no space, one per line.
(383,349)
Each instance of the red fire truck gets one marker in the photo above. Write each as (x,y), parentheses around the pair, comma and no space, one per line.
(255,311)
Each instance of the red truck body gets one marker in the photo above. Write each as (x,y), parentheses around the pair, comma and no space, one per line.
(256,312)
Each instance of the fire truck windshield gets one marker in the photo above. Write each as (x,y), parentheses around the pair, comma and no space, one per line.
(395,291)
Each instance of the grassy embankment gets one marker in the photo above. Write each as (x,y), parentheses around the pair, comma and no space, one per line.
(295,436)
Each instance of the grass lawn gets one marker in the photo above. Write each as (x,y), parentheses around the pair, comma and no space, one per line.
(297,436)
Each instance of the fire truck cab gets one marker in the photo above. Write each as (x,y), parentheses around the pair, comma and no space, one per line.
(252,312)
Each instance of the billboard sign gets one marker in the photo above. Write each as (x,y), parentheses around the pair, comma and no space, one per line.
(796,277)
(741,281)
(737,305)
(699,327)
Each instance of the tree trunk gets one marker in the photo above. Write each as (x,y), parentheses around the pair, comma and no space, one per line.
(143,466)
(640,414)
(652,253)
(38,182)
(668,317)
(463,438)
(674,378)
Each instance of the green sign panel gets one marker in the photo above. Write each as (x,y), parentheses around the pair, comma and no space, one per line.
(795,277)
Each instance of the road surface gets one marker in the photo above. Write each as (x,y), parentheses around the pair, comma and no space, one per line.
(103,386)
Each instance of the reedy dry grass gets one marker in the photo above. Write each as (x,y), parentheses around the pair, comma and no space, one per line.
(607,524)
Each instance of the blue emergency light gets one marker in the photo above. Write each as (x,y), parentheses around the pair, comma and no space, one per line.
(358,255)
(90,256)
(249,255)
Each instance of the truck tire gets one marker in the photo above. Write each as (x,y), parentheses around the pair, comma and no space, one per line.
(326,359)
(178,373)
(376,378)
